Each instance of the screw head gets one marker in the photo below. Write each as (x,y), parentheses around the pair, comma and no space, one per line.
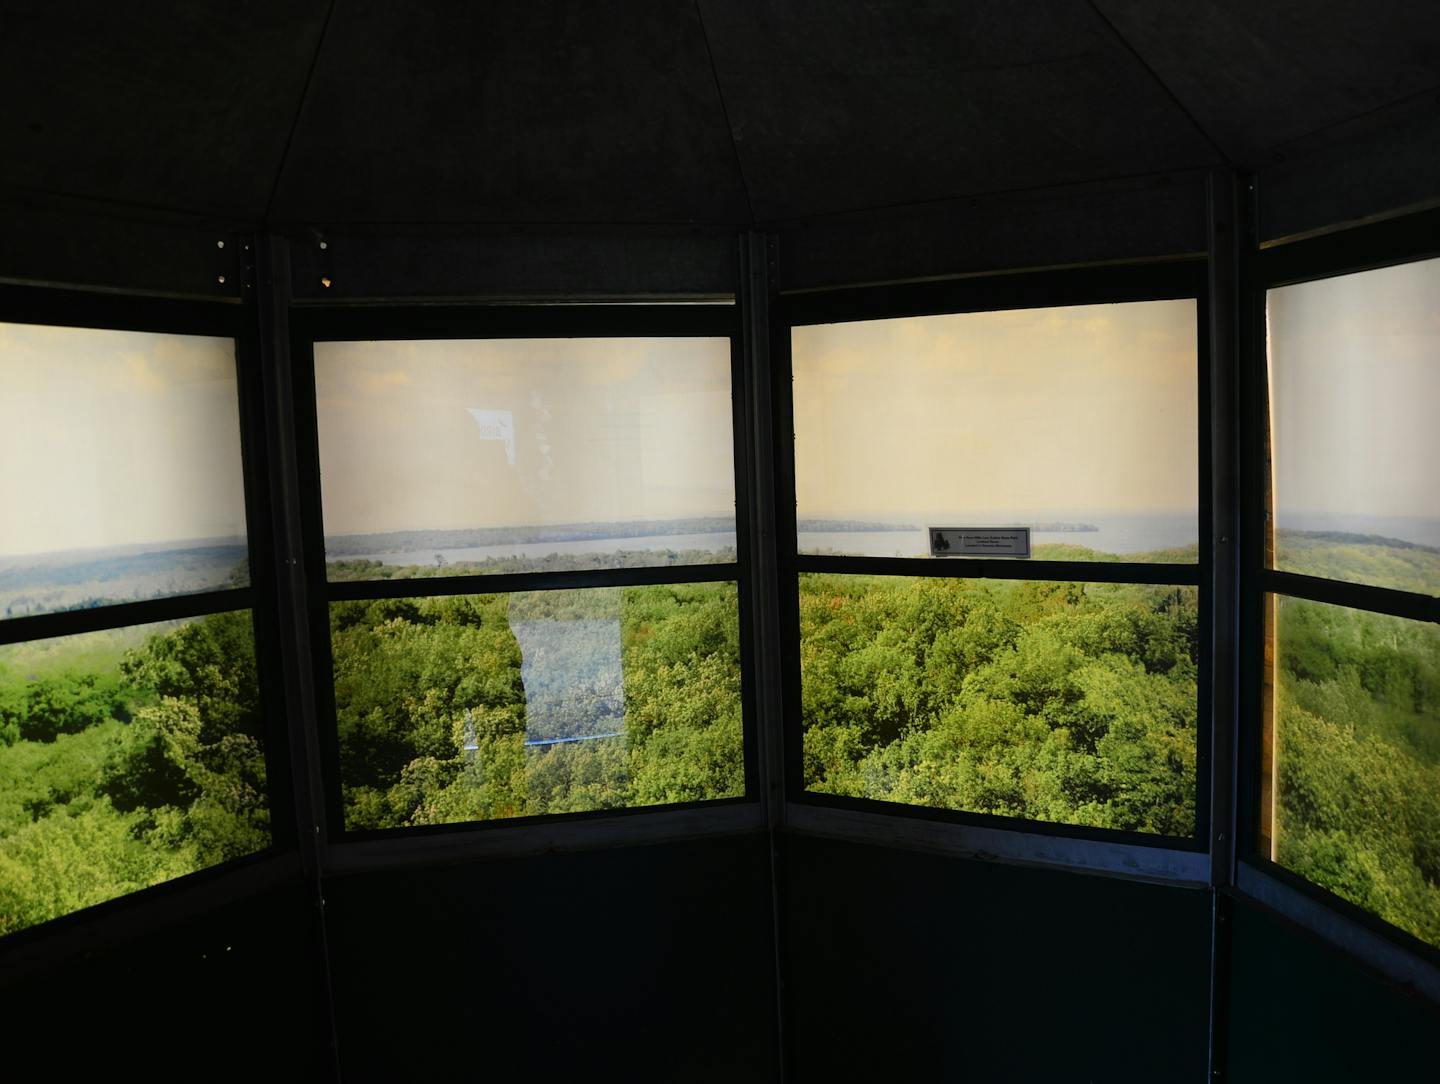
(220,279)
(219,244)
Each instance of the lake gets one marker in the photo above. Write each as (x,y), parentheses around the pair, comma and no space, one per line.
(1116,534)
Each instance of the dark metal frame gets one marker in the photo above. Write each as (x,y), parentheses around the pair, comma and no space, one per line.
(1383,947)
(1179,279)
(310,325)
(275,864)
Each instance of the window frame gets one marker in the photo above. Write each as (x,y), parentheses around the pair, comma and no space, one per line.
(1167,857)
(229,319)
(1392,242)
(361,848)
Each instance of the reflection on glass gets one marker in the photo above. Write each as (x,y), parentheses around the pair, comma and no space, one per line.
(477,707)
(1356,738)
(127,758)
(119,468)
(479,456)
(1073,703)
(1078,422)
(1354,383)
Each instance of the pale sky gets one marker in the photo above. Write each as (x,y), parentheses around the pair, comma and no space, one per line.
(1031,412)
(116,437)
(421,434)
(1355,401)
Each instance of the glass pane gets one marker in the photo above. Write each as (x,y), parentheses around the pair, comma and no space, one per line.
(479,456)
(1079,423)
(127,757)
(476,707)
(1354,385)
(1066,702)
(119,468)
(1356,760)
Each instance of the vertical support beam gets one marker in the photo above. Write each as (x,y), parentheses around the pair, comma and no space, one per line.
(1231,258)
(273,296)
(757,286)
(757,289)
(272,290)
(1258,389)
(1224,336)
(1224,343)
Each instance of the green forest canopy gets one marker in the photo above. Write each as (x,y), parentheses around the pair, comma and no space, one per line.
(124,766)
(132,757)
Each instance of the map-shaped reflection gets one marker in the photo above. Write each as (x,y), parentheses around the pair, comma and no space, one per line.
(571,665)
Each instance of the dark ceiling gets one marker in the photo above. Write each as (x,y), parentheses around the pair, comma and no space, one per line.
(719,112)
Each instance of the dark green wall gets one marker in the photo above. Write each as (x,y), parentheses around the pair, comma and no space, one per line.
(656,963)
(1301,1011)
(633,964)
(906,966)
(233,994)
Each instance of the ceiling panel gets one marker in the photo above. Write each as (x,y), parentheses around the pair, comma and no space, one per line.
(842,104)
(180,105)
(1258,76)
(556,111)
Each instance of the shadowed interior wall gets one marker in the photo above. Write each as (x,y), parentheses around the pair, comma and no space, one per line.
(1299,1010)
(642,963)
(233,994)
(905,966)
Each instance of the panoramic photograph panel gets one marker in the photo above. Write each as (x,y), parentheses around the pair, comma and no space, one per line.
(1354,382)
(128,757)
(473,456)
(481,707)
(120,465)
(1355,771)
(1078,423)
(1073,703)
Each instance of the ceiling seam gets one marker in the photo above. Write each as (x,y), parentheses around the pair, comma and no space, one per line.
(299,111)
(725,113)
(1174,98)
(1397,103)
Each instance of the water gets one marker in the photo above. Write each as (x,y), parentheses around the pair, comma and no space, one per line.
(82,578)
(1116,534)
(708,542)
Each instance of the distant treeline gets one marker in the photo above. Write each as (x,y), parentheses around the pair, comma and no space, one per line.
(53,586)
(1358,558)
(366,569)
(465,538)
(1350,538)
(855,526)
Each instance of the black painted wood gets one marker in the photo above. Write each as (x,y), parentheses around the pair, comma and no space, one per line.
(839,105)
(1301,1011)
(646,963)
(1258,77)
(904,966)
(512,111)
(183,105)
(234,993)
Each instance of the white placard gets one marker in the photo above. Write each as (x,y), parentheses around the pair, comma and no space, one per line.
(979,541)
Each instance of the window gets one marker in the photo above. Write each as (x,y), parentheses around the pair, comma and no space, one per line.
(534,576)
(132,744)
(1058,686)
(1350,773)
